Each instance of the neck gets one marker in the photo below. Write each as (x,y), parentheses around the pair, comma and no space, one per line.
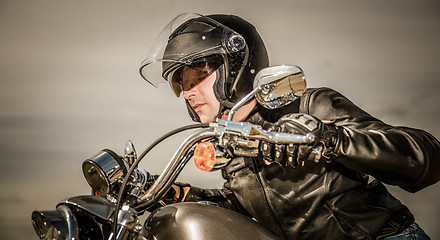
(242,113)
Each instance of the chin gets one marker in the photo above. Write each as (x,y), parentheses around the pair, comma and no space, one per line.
(206,119)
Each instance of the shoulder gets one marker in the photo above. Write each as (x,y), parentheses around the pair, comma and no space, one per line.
(328,104)
(323,97)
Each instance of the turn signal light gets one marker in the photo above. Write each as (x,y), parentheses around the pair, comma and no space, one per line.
(204,156)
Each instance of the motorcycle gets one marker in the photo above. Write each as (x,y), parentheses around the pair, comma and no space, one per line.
(122,193)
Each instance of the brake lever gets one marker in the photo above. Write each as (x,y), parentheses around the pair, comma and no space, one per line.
(317,152)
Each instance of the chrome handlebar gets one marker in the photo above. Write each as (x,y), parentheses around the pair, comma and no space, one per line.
(175,166)
(220,129)
(256,132)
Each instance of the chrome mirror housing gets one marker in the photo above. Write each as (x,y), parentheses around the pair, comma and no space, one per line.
(130,154)
(275,87)
(280,85)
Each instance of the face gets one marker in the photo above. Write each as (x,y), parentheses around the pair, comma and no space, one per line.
(202,99)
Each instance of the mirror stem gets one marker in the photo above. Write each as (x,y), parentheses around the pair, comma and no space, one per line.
(242,102)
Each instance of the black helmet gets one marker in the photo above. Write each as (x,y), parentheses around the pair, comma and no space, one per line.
(229,41)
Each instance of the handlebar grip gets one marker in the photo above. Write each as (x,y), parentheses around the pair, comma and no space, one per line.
(286,138)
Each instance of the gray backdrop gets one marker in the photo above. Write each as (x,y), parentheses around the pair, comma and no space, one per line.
(70,84)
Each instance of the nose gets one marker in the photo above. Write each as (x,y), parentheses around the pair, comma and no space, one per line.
(189,94)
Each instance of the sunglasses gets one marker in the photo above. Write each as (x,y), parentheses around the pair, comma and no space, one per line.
(192,75)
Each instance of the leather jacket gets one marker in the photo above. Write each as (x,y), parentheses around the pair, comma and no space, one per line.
(341,199)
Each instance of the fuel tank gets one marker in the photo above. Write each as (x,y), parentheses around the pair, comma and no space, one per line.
(189,221)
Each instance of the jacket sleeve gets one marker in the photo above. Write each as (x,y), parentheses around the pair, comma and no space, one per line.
(407,157)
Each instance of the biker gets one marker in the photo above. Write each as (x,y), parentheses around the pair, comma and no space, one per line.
(212,60)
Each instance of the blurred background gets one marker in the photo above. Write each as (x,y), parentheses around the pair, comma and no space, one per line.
(70,84)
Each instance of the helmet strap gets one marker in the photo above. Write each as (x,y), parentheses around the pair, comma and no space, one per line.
(220,87)
(220,92)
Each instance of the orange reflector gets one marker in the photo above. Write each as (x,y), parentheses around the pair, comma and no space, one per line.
(204,156)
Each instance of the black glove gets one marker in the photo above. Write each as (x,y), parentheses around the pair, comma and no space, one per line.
(294,155)
(177,193)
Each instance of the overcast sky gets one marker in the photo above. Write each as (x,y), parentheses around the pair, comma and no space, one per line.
(70,84)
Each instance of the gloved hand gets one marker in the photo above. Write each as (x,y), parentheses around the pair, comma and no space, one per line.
(177,193)
(295,154)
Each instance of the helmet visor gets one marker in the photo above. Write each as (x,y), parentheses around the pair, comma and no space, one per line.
(188,76)
(186,42)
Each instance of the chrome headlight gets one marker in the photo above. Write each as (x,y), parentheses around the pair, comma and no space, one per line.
(103,169)
(55,225)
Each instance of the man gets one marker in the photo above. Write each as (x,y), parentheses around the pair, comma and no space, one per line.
(213,60)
